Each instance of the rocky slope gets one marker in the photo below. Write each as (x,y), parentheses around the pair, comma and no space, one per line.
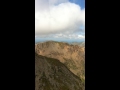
(73,56)
(51,74)
(82,44)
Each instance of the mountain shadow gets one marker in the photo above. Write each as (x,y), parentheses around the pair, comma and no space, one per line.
(51,74)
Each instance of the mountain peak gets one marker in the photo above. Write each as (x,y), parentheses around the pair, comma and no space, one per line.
(73,56)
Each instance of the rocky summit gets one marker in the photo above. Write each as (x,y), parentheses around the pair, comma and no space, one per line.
(70,56)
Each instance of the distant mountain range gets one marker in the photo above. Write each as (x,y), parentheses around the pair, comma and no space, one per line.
(71,55)
(78,43)
(82,43)
(66,41)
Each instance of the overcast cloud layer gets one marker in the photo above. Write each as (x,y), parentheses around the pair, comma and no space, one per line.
(58,17)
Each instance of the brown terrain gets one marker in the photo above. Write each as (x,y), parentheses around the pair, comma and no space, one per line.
(73,56)
(51,74)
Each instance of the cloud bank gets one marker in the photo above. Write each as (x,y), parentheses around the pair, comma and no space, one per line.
(58,16)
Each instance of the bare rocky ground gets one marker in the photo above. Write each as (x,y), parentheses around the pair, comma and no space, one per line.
(71,55)
(51,74)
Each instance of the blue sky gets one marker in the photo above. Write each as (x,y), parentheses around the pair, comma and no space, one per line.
(79,2)
(63,20)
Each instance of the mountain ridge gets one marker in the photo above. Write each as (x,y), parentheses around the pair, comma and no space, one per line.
(73,56)
(51,74)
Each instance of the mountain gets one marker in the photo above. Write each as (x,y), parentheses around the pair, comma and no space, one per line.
(73,56)
(78,43)
(51,74)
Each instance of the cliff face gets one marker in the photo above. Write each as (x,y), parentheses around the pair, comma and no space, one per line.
(73,56)
(51,74)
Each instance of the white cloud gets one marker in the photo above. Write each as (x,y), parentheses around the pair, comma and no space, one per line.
(63,36)
(45,4)
(56,16)
(53,2)
(69,36)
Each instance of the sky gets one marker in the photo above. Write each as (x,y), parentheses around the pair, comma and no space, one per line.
(60,20)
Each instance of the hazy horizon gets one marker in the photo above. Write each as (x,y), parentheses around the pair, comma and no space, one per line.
(67,41)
